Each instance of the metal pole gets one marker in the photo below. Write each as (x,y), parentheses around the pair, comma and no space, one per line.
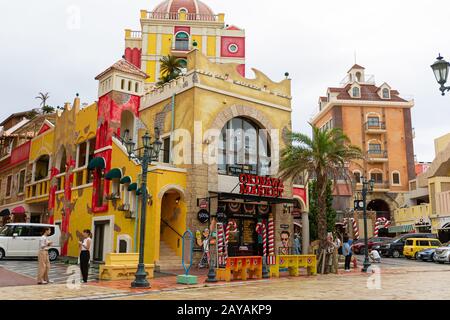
(141,275)
(366,240)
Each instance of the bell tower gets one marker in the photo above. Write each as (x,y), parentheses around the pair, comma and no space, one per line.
(120,89)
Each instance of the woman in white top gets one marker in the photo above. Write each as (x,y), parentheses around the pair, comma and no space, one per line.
(44,262)
(85,254)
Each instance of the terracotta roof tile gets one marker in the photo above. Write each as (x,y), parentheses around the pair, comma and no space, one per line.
(124,66)
(368,93)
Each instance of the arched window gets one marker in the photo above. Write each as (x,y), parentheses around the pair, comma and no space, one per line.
(182,41)
(127,125)
(136,87)
(122,84)
(244,148)
(357,176)
(386,93)
(356,92)
(129,85)
(42,167)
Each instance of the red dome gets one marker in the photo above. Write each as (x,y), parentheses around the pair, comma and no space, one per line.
(192,6)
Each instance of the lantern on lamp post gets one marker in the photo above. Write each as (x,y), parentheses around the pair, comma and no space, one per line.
(441,69)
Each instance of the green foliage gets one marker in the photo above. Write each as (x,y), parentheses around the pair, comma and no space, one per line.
(170,69)
(314,209)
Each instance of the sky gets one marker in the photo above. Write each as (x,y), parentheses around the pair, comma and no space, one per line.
(59,46)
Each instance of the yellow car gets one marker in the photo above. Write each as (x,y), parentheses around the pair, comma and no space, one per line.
(413,246)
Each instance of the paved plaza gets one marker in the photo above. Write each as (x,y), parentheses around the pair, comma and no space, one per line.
(394,279)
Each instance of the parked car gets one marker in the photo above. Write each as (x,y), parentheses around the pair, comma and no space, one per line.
(394,247)
(22,240)
(427,255)
(359,247)
(442,254)
(414,245)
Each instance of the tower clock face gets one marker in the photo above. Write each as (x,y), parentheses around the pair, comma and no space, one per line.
(361,204)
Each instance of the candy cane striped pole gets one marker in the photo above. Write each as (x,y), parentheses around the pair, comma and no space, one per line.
(230,226)
(271,237)
(355,229)
(220,242)
(264,236)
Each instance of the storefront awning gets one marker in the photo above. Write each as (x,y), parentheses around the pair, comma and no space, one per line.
(250,198)
(115,173)
(133,187)
(125,180)
(401,229)
(5,213)
(18,211)
(97,163)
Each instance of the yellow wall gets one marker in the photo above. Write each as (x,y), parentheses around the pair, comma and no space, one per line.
(166,46)
(211,51)
(151,71)
(151,49)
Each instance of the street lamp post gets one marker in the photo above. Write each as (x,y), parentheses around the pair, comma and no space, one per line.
(441,69)
(367,187)
(151,152)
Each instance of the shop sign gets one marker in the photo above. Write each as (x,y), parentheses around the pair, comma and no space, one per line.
(203,204)
(261,186)
(284,227)
(203,216)
(221,216)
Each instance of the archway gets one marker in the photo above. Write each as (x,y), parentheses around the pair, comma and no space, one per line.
(380,207)
(173,224)
(42,167)
(127,125)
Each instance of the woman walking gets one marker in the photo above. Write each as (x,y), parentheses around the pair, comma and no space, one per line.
(85,255)
(43,260)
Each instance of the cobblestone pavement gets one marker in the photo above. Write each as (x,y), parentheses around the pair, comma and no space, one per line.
(59,271)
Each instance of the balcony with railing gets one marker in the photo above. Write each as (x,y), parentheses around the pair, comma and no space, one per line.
(368,79)
(133,35)
(148,15)
(413,215)
(375,127)
(38,190)
(443,203)
(377,156)
(381,186)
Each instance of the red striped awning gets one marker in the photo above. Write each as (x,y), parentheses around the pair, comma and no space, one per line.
(18,211)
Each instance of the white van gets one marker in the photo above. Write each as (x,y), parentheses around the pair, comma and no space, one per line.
(22,240)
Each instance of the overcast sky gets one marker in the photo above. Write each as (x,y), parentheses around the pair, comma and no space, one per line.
(44,48)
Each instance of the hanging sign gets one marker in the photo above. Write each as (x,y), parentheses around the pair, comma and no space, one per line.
(203,204)
(203,216)
(261,186)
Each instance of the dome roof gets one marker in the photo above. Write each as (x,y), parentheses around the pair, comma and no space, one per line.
(192,6)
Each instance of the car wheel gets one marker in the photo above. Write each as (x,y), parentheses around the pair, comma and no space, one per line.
(2,254)
(416,256)
(396,254)
(433,258)
(52,255)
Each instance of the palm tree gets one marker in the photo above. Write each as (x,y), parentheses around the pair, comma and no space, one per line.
(322,157)
(44,107)
(170,68)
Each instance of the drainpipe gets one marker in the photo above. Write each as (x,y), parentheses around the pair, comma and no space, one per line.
(172,129)
(136,220)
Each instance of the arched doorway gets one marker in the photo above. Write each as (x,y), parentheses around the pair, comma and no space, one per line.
(127,125)
(42,168)
(380,207)
(173,225)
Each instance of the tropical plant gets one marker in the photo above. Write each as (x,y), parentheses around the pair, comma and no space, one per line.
(170,68)
(45,109)
(323,158)
(313,209)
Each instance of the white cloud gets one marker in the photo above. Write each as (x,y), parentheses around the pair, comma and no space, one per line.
(314,41)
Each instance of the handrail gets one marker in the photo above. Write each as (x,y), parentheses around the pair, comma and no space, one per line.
(167,224)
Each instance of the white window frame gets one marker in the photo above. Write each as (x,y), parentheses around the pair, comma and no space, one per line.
(399,178)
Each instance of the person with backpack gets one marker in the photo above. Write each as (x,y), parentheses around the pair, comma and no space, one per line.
(347,252)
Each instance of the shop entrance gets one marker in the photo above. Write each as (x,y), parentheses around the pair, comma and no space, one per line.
(381,208)
(100,233)
(244,241)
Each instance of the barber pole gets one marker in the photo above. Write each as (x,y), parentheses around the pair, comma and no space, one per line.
(271,260)
(231,227)
(354,226)
(220,244)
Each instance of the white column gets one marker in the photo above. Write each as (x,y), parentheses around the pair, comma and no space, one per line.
(305,233)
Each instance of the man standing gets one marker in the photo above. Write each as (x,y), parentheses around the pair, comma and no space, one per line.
(347,252)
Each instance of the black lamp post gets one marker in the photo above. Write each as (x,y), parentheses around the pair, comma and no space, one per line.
(440,69)
(151,152)
(367,187)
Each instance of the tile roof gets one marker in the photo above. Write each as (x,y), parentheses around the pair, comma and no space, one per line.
(124,66)
(368,93)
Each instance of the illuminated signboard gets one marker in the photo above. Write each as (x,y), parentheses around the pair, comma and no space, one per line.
(261,186)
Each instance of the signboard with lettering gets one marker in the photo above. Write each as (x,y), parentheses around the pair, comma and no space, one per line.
(203,216)
(261,186)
